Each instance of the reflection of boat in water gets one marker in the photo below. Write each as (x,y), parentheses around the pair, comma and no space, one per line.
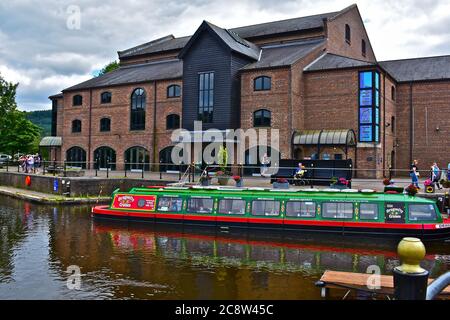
(364,213)
(203,246)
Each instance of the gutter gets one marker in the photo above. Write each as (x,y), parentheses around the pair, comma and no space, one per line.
(411,122)
(90,129)
(154,121)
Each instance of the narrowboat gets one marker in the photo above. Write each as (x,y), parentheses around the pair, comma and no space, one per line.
(345,212)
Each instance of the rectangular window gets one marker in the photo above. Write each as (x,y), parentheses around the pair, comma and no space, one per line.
(206,97)
(265,208)
(200,205)
(337,210)
(369,106)
(303,209)
(368,211)
(418,212)
(232,206)
(170,204)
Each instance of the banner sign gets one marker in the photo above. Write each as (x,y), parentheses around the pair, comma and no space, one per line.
(134,202)
(395,212)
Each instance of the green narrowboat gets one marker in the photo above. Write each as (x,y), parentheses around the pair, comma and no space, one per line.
(345,212)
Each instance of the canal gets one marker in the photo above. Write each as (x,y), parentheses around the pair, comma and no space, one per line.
(39,244)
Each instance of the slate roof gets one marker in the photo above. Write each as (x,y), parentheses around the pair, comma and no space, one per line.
(232,40)
(418,69)
(253,31)
(331,61)
(169,69)
(56,96)
(284,54)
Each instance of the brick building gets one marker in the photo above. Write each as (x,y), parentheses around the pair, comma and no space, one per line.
(316,79)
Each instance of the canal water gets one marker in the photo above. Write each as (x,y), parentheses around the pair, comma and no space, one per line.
(42,247)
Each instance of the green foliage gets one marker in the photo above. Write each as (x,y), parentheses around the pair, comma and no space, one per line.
(17,133)
(222,158)
(109,67)
(43,119)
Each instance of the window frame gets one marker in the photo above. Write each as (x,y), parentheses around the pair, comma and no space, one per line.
(138,108)
(109,95)
(363,48)
(77,100)
(173,116)
(262,124)
(302,202)
(188,209)
(421,205)
(206,96)
(78,128)
(322,207)
(369,203)
(171,197)
(348,34)
(265,204)
(263,83)
(172,91)
(232,200)
(102,124)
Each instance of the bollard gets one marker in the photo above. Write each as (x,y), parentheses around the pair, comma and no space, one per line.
(65,168)
(107,169)
(410,279)
(7,169)
(143,168)
(125,163)
(160,172)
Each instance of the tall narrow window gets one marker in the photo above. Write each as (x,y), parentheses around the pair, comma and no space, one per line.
(393,93)
(348,34)
(262,118)
(206,97)
(363,47)
(262,83)
(393,124)
(76,126)
(137,116)
(77,100)
(105,125)
(369,106)
(173,91)
(105,97)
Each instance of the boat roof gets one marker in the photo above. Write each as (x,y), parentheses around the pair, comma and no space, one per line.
(268,192)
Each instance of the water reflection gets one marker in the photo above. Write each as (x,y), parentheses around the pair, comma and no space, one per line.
(131,261)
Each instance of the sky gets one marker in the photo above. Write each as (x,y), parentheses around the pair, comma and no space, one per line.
(47,46)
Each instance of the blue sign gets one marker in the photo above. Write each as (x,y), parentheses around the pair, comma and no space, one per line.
(365,133)
(365,115)
(365,98)
(55,185)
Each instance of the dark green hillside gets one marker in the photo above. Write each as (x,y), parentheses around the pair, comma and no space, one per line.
(43,119)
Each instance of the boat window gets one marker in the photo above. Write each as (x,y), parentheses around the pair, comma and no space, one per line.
(303,209)
(368,211)
(232,206)
(265,208)
(337,210)
(200,205)
(172,204)
(421,212)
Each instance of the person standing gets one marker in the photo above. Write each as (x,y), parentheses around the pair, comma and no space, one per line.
(414,173)
(265,162)
(30,164)
(435,175)
(448,171)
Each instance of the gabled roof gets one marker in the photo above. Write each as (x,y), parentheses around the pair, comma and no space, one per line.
(229,38)
(169,42)
(168,69)
(284,54)
(418,69)
(56,96)
(330,61)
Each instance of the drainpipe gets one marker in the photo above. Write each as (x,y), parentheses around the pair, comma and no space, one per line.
(290,112)
(384,124)
(411,122)
(90,129)
(154,121)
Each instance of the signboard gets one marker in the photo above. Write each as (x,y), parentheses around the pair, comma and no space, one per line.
(365,115)
(394,212)
(134,202)
(55,185)
(365,98)
(365,133)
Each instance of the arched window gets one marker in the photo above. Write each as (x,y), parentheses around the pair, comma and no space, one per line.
(137,158)
(137,116)
(105,97)
(165,159)
(105,125)
(76,126)
(262,83)
(76,157)
(348,33)
(173,91)
(77,100)
(172,122)
(105,157)
(363,47)
(262,118)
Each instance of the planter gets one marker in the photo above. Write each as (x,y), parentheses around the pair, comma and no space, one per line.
(392,189)
(338,186)
(223,181)
(240,184)
(204,183)
(281,185)
(430,188)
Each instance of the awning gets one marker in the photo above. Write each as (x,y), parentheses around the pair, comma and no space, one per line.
(51,142)
(343,137)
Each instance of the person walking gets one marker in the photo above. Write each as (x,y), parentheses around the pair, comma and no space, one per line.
(435,175)
(30,164)
(265,162)
(448,171)
(414,174)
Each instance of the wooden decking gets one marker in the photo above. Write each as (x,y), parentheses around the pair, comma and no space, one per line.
(360,281)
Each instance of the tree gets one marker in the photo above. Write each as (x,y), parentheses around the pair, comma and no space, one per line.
(17,133)
(109,67)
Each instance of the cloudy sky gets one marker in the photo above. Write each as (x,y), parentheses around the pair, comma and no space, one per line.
(46,48)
